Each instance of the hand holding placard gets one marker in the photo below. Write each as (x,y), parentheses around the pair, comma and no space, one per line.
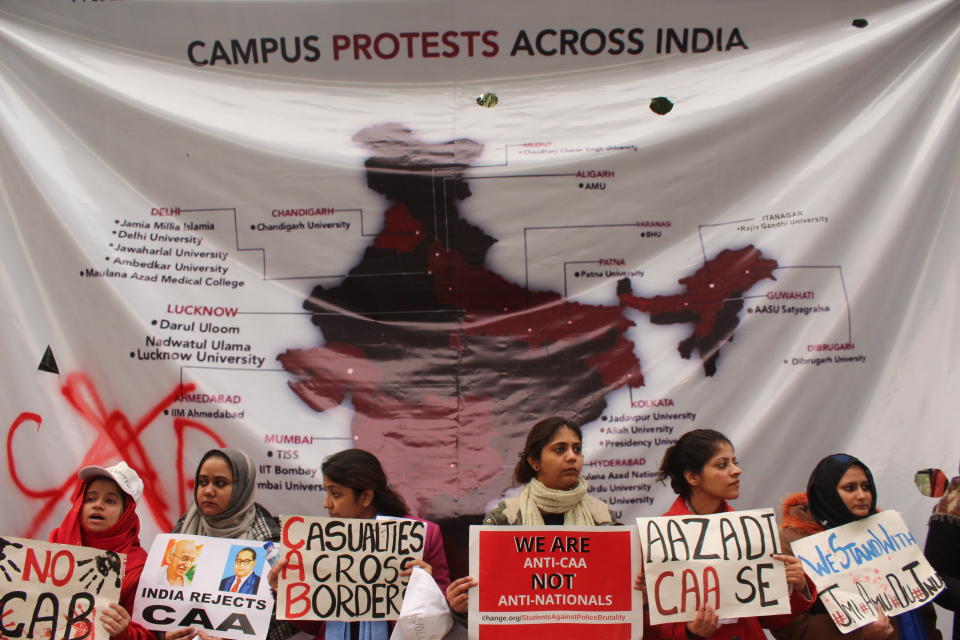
(182,593)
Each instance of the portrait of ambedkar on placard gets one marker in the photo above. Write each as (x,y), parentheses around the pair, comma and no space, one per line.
(244,578)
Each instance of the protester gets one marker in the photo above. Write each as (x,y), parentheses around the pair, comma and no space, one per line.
(225,507)
(553,492)
(703,470)
(841,490)
(356,487)
(103,516)
(943,550)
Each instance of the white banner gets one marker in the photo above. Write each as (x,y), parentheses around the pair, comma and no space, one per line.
(419,227)
(868,566)
(215,584)
(722,560)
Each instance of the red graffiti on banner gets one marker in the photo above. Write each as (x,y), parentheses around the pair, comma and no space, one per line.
(116,436)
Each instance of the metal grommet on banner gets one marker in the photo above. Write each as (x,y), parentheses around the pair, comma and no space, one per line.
(661,106)
(860,23)
(488,99)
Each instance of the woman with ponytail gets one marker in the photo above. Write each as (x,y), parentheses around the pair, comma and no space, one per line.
(704,473)
(357,487)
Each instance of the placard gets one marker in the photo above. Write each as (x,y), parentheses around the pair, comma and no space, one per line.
(346,569)
(866,566)
(550,582)
(56,590)
(214,584)
(721,559)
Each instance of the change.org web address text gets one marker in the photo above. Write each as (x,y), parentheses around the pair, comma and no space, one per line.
(508,618)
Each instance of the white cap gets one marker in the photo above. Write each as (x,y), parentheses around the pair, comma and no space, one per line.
(130,483)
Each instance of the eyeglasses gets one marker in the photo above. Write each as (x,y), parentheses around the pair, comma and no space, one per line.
(184,558)
(243,562)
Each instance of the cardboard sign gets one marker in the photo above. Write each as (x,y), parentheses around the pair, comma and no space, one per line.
(553,582)
(867,566)
(346,569)
(722,559)
(56,590)
(215,584)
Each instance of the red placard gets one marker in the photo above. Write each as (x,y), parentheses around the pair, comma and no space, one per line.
(550,582)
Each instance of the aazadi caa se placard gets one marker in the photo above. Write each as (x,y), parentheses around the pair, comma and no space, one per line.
(554,582)
(721,559)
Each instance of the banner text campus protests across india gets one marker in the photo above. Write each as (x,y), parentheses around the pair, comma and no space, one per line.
(292,228)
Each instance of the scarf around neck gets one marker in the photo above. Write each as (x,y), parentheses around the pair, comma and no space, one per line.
(236,520)
(536,498)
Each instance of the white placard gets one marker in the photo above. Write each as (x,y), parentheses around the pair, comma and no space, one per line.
(721,559)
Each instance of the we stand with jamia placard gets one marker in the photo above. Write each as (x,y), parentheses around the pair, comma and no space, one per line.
(866,567)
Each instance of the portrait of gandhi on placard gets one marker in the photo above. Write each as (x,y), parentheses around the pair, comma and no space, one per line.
(180,562)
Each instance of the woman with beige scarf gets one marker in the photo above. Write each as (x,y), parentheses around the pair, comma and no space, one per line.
(553,491)
(225,506)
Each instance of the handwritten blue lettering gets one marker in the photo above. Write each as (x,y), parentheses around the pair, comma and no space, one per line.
(854,554)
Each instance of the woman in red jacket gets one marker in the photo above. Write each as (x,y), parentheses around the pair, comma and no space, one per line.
(703,471)
(103,516)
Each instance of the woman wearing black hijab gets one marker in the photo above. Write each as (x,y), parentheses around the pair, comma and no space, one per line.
(841,490)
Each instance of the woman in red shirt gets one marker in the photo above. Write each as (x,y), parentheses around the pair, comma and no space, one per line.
(704,473)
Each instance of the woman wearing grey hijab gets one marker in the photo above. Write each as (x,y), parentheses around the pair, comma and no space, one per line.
(224,507)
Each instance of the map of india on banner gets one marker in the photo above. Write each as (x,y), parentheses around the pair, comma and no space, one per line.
(419,228)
